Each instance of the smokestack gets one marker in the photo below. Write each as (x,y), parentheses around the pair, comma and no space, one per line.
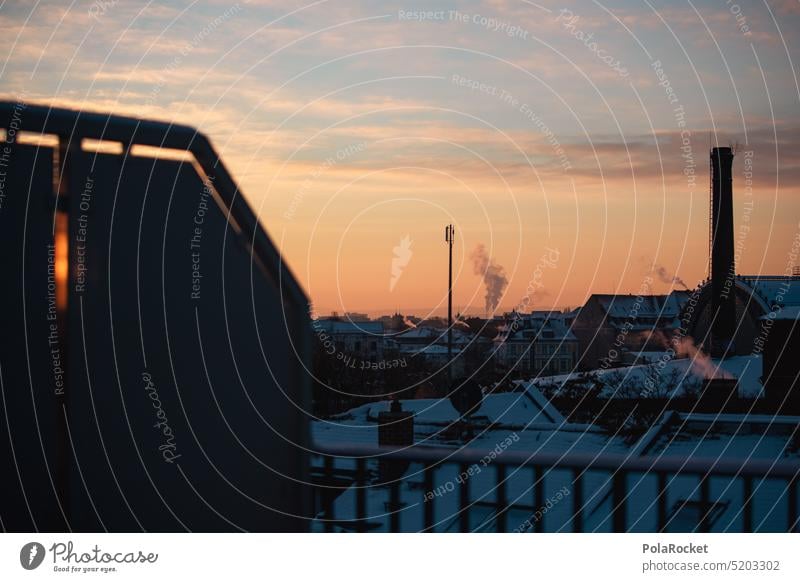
(723,270)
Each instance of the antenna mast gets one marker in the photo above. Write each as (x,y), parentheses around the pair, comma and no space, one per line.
(449,237)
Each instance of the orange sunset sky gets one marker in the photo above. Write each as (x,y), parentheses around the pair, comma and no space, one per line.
(578,131)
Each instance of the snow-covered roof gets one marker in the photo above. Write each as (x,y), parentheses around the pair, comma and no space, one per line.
(714,437)
(631,380)
(527,416)
(515,421)
(701,435)
(651,306)
(689,436)
(504,407)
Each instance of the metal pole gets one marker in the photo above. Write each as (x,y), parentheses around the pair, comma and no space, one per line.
(448,237)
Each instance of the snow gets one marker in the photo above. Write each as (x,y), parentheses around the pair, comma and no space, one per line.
(629,380)
(681,435)
(504,408)
(534,424)
(652,306)
(717,435)
(525,422)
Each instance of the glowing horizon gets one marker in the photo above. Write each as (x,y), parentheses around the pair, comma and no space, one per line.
(533,128)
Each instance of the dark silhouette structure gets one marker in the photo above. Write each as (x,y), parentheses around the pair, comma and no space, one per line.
(781,363)
(723,270)
(153,346)
(449,237)
(725,314)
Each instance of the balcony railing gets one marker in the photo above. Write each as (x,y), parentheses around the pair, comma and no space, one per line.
(606,492)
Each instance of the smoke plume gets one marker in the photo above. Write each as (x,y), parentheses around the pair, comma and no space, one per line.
(701,363)
(666,277)
(494,277)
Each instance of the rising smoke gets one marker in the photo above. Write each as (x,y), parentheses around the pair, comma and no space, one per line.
(666,277)
(684,347)
(494,277)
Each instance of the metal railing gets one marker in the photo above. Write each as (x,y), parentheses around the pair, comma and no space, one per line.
(73,126)
(352,468)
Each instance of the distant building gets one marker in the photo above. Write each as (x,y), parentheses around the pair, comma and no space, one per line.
(430,345)
(356,317)
(425,336)
(396,322)
(539,343)
(364,339)
(435,356)
(609,325)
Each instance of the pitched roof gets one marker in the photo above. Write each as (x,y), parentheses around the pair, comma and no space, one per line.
(627,306)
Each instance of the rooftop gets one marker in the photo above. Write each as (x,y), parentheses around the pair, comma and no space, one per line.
(673,376)
(650,306)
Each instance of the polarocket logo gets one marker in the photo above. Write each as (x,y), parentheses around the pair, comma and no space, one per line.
(31,555)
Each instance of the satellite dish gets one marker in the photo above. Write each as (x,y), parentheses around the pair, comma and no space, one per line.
(466,396)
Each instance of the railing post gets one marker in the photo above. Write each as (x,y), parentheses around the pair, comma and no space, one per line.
(327,463)
(705,504)
(705,470)
(361,494)
(463,518)
(394,502)
(429,498)
(501,506)
(793,517)
(747,504)
(577,500)
(538,498)
(618,509)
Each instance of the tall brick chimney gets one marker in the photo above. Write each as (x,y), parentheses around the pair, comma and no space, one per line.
(723,269)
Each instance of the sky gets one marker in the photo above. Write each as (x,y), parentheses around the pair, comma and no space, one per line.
(570,140)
